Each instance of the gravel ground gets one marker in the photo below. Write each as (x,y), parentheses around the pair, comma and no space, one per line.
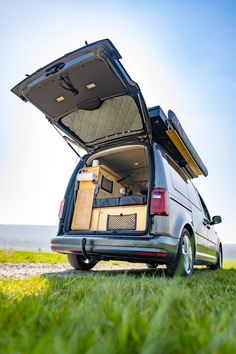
(23,270)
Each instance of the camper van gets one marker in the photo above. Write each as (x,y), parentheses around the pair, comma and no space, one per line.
(131,196)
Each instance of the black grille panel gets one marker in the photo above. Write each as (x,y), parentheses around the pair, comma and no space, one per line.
(121,222)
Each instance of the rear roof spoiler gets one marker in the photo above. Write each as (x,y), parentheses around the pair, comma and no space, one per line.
(169,133)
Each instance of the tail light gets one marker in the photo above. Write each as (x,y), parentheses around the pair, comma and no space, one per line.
(61,209)
(155,254)
(159,202)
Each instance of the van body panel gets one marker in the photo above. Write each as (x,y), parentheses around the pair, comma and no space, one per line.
(201,234)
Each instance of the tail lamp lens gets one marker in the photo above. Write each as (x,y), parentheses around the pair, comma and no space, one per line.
(61,209)
(159,202)
(155,254)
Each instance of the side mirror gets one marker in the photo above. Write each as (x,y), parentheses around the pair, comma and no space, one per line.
(216,220)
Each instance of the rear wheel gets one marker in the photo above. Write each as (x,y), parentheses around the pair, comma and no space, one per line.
(183,265)
(80,263)
(219,262)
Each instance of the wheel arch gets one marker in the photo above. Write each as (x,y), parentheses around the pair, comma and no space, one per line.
(221,248)
(189,228)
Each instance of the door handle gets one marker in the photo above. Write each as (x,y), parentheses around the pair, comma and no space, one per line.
(206,223)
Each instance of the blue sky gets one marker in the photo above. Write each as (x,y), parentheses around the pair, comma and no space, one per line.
(182,54)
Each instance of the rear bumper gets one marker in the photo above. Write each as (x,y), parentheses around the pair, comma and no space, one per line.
(159,248)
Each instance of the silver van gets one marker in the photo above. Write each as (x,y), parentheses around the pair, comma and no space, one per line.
(131,196)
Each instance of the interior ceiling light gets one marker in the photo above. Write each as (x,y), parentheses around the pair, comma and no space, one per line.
(91,86)
(136,163)
(60,99)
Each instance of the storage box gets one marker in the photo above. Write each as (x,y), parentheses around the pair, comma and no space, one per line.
(104,183)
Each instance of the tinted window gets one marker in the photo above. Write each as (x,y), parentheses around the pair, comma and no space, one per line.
(179,179)
(193,195)
(206,212)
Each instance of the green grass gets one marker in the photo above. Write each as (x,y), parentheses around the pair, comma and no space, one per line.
(120,312)
(12,256)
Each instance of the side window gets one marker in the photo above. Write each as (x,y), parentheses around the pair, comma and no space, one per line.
(205,210)
(193,195)
(179,179)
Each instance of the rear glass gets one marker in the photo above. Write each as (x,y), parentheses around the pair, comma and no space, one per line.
(119,115)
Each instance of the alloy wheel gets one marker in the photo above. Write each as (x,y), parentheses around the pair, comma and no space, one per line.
(187,254)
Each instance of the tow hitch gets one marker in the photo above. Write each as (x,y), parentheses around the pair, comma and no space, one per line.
(86,255)
(84,252)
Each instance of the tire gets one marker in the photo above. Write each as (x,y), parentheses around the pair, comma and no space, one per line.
(80,263)
(183,265)
(219,263)
(151,265)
